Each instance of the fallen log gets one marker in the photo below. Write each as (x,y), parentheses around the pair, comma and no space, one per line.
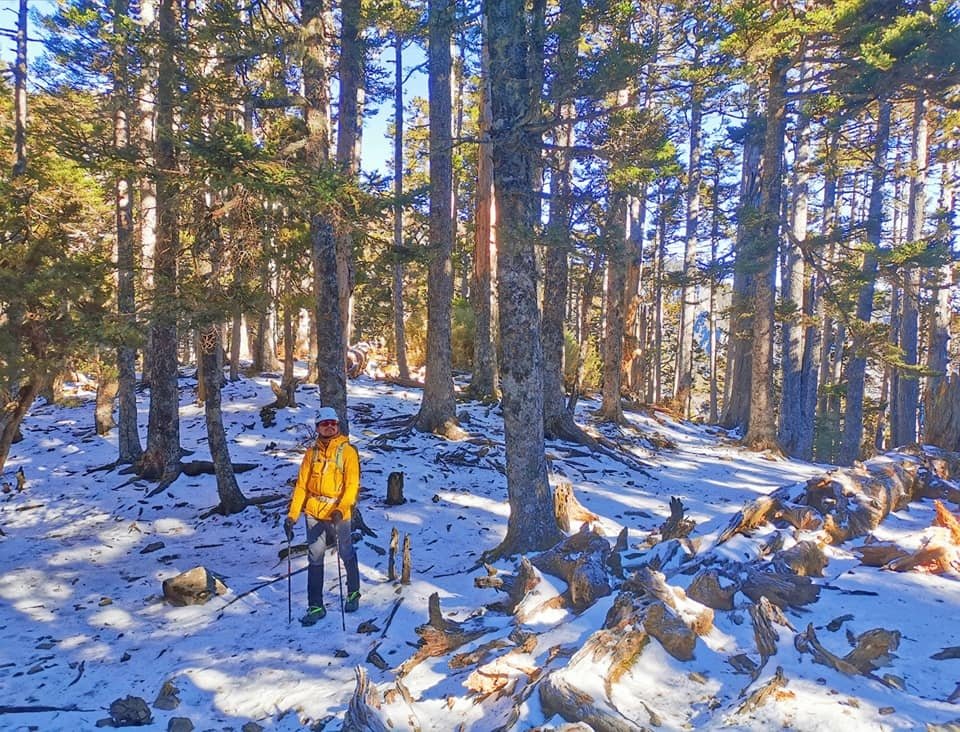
(439,636)
(581,561)
(782,589)
(558,696)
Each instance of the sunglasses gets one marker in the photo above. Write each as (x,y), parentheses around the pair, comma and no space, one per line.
(328,423)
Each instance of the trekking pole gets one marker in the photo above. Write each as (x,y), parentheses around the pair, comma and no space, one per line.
(336,533)
(289,585)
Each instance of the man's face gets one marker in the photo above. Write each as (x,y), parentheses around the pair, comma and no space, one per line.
(328,428)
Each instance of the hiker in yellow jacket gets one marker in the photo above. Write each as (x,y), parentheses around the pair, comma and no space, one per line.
(326,492)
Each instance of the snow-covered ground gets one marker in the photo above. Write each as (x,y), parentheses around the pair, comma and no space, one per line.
(84,551)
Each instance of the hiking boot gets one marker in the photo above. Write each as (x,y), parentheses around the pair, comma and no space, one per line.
(313,616)
(353,602)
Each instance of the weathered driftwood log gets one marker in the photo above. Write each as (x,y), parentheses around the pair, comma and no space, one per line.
(764,614)
(392,556)
(947,520)
(363,712)
(193,587)
(439,636)
(677,526)
(754,514)
(807,642)
(407,566)
(653,584)
(805,558)
(707,590)
(874,649)
(760,696)
(783,590)
(666,625)
(395,489)
(559,696)
(567,509)
(516,586)
(581,561)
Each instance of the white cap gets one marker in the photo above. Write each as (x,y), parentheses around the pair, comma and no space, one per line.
(326,413)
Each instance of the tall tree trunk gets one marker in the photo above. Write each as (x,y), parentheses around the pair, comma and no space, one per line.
(736,403)
(558,421)
(147,184)
(438,407)
(795,423)
(633,344)
(128,438)
(857,365)
(683,380)
(232,499)
(351,69)
(399,328)
(904,429)
(762,426)
(611,408)
(20,93)
(942,389)
(162,457)
(531,525)
(331,343)
(483,383)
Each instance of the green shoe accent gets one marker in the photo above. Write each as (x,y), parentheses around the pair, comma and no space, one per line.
(314,614)
(353,602)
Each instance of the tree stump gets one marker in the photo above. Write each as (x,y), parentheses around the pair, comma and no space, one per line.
(392,557)
(567,509)
(193,587)
(677,526)
(581,561)
(395,489)
(406,569)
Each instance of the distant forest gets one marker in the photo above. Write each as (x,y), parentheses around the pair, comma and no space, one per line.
(742,212)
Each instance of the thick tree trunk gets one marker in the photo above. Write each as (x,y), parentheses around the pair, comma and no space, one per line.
(531,525)
(483,383)
(683,381)
(232,499)
(147,184)
(438,407)
(762,426)
(904,429)
(611,408)
(331,352)
(128,437)
(12,414)
(794,425)
(736,403)
(399,328)
(857,365)
(351,70)
(162,457)
(557,419)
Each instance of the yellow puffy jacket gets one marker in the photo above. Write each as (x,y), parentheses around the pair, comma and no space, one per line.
(329,480)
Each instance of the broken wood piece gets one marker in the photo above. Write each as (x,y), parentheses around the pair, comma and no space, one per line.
(559,696)
(763,615)
(581,561)
(807,642)
(934,557)
(782,589)
(760,696)
(567,509)
(664,624)
(805,559)
(879,553)
(947,520)
(677,526)
(754,514)
(698,617)
(874,649)
(395,489)
(406,567)
(392,556)
(363,711)
(439,636)
(706,589)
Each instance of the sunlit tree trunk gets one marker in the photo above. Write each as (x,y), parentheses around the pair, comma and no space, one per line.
(438,407)
(904,429)
(531,525)
(399,327)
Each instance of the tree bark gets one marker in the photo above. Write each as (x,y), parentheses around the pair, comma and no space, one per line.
(162,457)
(762,426)
(484,382)
(795,422)
(903,429)
(683,381)
(514,102)
(611,408)
(331,353)
(399,328)
(438,407)
(128,437)
(351,72)
(857,366)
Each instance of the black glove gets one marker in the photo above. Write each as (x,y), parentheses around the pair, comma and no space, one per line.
(288,528)
(336,516)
